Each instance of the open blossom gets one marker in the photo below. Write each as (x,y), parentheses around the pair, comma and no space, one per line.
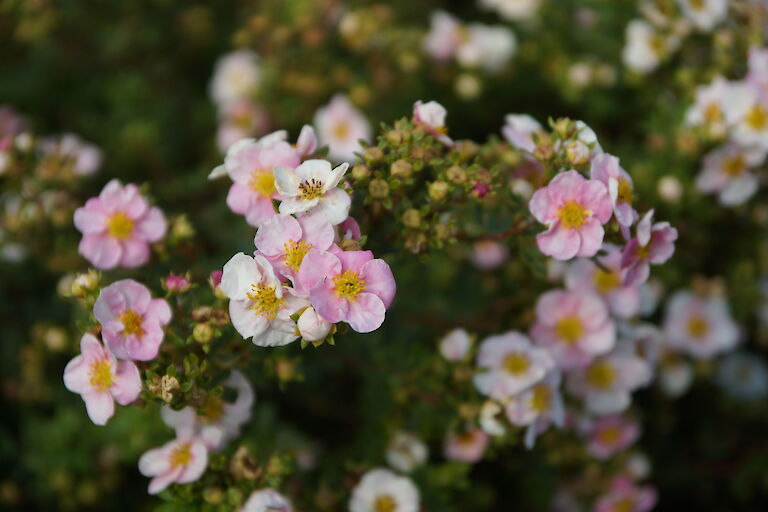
(574,326)
(726,172)
(704,14)
(513,10)
(606,169)
(340,126)
(236,76)
(758,71)
(266,500)
(645,47)
(609,435)
(625,496)
(381,489)
(132,321)
(431,116)
(455,345)
(584,274)
(74,153)
(508,364)
(653,244)
(519,129)
(708,109)
(537,407)
(101,379)
(406,452)
(700,326)
(181,461)
(675,376)
(749,112)
(259,305)
(466,447)
(312,187)
(118,227)
(349,286)
(487,47)
(444,36)
(574,210)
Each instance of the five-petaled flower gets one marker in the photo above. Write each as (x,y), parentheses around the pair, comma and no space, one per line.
(312,187)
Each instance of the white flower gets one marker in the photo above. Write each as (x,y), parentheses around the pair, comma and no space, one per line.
(382,490)
(519,129)
(455,345)
(259,305)
(752,125)
(83,157)
(486,47)
(266,500)
(512,10)
(489,418)
(675,377)
(236,76)
(726,172)
(700,326)
(431,115)
(341,126)
(444,36)
(537,407)
(312,187)
(704,14)
(645,47)
(406,452)
(708,109)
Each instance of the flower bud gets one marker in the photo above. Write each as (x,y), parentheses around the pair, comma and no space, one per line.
(181,228)
(373,154)
(480,189)
(203,333)
(438,190)
(378,188)
(175,283)
(85,283)
(577,153)
(401,169)
(412,218)
(311,326)
(360,172)
(456,174)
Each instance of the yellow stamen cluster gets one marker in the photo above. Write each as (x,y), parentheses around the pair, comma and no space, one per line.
(624,505)
(735,166)
(606,281)
(181,455)
(295,252)
(541,400)
(265,301)
(757,118)
(643,251)
(713,114)
(212,411)
(311,189)
(572,215)
(601,375)
(625,192)
(101,376)
(120,226)
(609,436)
(516,363)
(698,326)
(131,321)
(262,181)
(569,329)
(349,284)
(384,503)
(341,130)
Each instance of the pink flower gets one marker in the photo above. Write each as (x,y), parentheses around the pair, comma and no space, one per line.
(519,129)
(574,326)
(709,108)
(625,496)
(609,435)
(444,36)
(489,254)
(312,188)
(700,326)
(118,227)
(350,230)
(606,169)
(348,286)
(340,126)
(455,345)
(758,71)
(180,461)
(508,364)
(82,157)
(176,283)
(727,172)
(585,275)
(101,379)
(215,278)
(284,241)
(238,120)
(653,244)
(537,407)
(467,447)
(574,210)
(606,385)
(431,116)
(266,500)
(131,320)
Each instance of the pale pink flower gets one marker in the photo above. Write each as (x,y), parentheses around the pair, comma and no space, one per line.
(341,126)
(585,275)
(625,496)
(348,286)
(431,116)
(466,447)
(574,326)
(381,489)
(508,364)
(653,244)
(311,325)
(675,376)
(700,326)
(751,113)
(574,210)
(101,379)
(260,307)
(758,71)
(455,345)
(349,230)
(236,76)
(487,47)
(180,461)
(489,254)
(609,435)
(118,227)
(537,408)
(606,169)
(704,14)
(513,10)
(519,129)
(132,321)
(708,109)
(726,172)
(312,188)
(444,36)
(606,385)
(82,157)
(266,500)
(239,120)
(406,452)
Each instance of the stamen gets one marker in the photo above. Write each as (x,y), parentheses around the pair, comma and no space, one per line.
(265,301)
(349,284)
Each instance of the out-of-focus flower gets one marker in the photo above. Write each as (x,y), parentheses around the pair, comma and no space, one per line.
(341,126)
(700,326)
(444,36)
(675,376)
(238,120)
(537,407)
(758,71)
(609,435)
(182,460)
(381,489)
(708,109)
(132,321)
(625,496)
(312,187)
(489,418)
(512,10)
(645,47)
(606,384)
(455,345)
(176,283)
(266,500)
(749,112)
(101,379)
(431,116)
(118,227)
(653,244)
(518,129)
(670,189)
(486,47)
(606,169)
(726,172)
(489,254)
(744,376)
(704,14)
(236,76)
(466,447)
(406,452)
(74,153)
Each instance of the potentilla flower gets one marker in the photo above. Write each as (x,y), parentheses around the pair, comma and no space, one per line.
(606,169)
(341,126)
(513,10)
(284,241)
(751,118)
(180,461)
(625,496)
(743,376)
(700,326)
(455,345)
(406,452)
(349,286)
(726,171)
(653,244)
(239,120)
(708,110)
(758,71)
(382,490)
(132,321)
(444,36)
(73,153)
(508,364)
(118,227)
(431,116)
(467,446)
(311,326)
(606,385)
(585,275)
(574,326)
(487,47)
(259,305)
(101,379)
(704,14)
(489,254)
(645,47)
(236,76)
(610,435)
(574,210)
(312,187)
(537,407)
(266,500)
(518,129)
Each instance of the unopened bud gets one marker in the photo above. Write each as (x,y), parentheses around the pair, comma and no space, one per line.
(203,333)
(401,169)
(378,188)
(438,190)
(412,218)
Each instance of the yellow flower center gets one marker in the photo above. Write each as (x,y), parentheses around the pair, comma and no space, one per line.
(311,189)
(341,130)
(120,226)
(295,252)
(265,301)
(541,400)
(465,439)
(516,363)
(572,215)
(384,503)
(569,329)
(643,251)
(349,284)
(658,44)
(131,321)
(609,436)
(101,375)
(698,326)
(606,281)
(734,166)
(601,375)
(625,191)
(757,118)
(712,113)
(262,182)
(181,455)
(212,411)
(696,5)
(624,505)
